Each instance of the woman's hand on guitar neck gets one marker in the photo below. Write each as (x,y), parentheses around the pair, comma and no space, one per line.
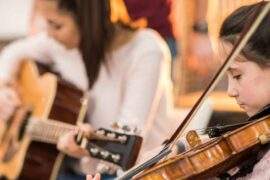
(68,145)
(9,101)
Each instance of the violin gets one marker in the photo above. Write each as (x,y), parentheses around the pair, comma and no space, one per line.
(219,154)
(215,156)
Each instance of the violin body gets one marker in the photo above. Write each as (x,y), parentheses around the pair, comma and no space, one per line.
(215,156)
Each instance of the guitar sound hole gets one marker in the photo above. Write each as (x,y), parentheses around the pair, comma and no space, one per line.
(3,177)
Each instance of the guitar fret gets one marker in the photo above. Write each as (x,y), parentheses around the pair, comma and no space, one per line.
(47,130)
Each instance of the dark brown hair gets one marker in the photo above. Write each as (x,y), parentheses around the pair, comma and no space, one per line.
(258,47)
(96,31)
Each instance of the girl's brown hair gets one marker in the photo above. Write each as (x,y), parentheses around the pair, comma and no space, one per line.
(258,47)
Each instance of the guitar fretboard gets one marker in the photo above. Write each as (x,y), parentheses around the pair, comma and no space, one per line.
(48,131)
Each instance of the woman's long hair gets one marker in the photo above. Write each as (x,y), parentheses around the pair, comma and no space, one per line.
(96,31)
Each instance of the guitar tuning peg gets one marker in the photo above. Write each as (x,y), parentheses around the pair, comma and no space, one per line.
(119,126)
(115,125)
(104,154)
(126,128)
(116,157)
(111,135)
(123,138)
(94,151)
(100,132)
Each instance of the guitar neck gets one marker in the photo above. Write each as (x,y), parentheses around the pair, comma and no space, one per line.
(48,131)
(117,148)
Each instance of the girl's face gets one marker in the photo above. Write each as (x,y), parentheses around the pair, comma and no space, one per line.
(249,84)
(61,26)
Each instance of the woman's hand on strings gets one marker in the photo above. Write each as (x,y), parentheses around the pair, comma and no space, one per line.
(96,177)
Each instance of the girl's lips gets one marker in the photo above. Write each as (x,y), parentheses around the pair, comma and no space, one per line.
(242,105)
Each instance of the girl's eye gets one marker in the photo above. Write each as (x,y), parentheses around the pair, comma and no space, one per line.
(237,77)
(54,25)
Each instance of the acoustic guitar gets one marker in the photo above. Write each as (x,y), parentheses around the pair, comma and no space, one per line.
(50,108)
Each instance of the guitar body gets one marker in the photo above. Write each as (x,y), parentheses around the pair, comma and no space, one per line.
(46,97)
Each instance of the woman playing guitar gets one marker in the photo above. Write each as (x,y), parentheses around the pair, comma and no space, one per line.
(125,69)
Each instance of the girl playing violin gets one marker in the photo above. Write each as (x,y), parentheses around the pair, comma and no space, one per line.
(249,77)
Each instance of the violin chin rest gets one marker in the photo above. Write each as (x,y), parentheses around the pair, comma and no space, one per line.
(264,138)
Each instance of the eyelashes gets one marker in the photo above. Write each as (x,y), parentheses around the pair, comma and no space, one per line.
(237,77)
(54,25)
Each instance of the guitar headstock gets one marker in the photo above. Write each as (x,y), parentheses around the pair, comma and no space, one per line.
(118,148)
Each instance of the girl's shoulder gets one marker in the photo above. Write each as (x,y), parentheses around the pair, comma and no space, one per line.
(144,45)
(146,41)
(149,38)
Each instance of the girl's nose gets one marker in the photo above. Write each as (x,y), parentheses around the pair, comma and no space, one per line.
(232,91)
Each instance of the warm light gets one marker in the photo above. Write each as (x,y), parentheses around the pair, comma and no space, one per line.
(119,13)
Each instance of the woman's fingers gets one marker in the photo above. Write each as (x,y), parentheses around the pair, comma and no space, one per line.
(87,129)
(96,177)
(67,144)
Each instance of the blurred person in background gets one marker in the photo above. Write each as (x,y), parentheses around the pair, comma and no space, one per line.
(157,16)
